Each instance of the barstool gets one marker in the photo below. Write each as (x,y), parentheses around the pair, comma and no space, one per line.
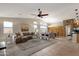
(3,48)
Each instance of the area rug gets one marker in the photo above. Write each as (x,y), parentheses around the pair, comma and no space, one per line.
(29,48)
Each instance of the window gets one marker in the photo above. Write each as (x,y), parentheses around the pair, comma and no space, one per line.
(35,24)
(8,27)
(43,24)
(43,27)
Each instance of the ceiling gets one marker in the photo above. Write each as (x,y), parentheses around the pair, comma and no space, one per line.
(56,11)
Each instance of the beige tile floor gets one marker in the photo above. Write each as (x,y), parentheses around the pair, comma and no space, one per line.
(53,47)
(63,47)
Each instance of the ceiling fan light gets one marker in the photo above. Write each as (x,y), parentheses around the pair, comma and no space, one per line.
(76,13)
(76,9)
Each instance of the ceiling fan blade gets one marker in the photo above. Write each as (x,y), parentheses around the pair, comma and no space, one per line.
(40,14)
(44,15)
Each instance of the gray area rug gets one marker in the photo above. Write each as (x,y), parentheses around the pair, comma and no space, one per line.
(29,48)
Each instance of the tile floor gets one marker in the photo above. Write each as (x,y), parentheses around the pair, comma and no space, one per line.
(60,48)
(53,47)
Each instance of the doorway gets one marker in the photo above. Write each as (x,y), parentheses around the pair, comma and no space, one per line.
(68,30)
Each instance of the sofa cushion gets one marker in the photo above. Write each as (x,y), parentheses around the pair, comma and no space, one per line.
(24,34)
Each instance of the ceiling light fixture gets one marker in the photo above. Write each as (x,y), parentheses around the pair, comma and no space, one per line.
(77,17)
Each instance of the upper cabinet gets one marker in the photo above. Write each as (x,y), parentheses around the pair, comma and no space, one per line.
(68,22)
(72,22)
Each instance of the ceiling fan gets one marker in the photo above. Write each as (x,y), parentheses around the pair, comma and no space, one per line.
(40,14)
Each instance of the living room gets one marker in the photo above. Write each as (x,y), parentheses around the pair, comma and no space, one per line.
(27,29)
